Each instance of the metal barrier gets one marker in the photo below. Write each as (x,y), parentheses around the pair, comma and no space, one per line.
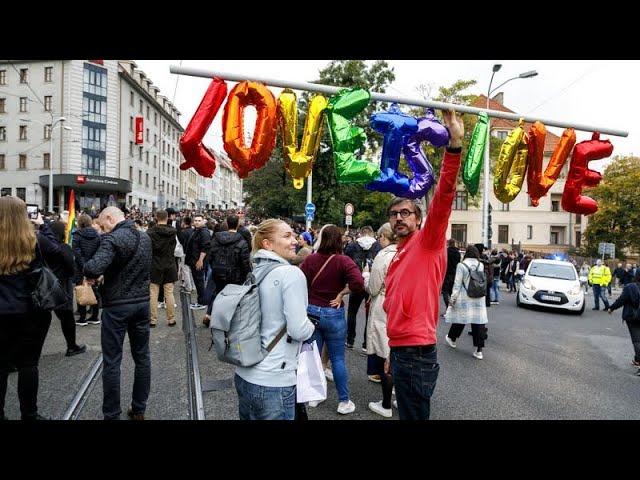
(194,385)
(73,412)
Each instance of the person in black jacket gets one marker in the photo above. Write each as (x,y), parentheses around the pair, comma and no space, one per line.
(197,246)
(22,328)
(630,300)
(124,258)
(85,242)
(163,266)
(244,231)
(453,259)
(64,268)
(230,261)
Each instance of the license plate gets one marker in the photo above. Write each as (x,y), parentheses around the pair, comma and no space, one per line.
(550,298)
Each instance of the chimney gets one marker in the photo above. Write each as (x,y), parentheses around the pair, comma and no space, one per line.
(499,98)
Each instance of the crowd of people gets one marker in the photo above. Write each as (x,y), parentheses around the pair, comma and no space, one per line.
(303,277)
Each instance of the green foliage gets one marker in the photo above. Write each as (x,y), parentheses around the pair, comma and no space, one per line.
(618,217)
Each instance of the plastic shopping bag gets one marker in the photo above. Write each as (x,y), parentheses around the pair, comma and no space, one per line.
(312,384)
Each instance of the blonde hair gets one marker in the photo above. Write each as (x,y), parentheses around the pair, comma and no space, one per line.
(387,232)
(266,229)
(17,236)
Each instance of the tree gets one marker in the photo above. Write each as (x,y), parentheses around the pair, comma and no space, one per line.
(618,217)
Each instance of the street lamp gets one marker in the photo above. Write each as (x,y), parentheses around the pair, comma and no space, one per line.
(485,202)
(53,124)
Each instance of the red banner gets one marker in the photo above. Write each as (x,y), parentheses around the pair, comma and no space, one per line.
(139,130)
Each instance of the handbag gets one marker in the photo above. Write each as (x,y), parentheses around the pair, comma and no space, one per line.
(85,295)
(311,381)
(48,293)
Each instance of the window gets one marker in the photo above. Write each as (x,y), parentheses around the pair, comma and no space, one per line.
(131,124)
(555,202)
(95,110)
(140,177)
(503,233)
(23,104)
(146,180)
(557,236)
(47,103)
(5,191)
(131,97)
(459,232)
(3,102)
(46,161)
(578,219)
(23,132)
(154,183)
(47,132)
(3,77)
(131,174)
(140,153)
(163,167)
(155,119)
(22,161)
(529,232)
(147,155)
(504,207)
(141,106)
(94,138)
(155,140)
(130,149)
(147,134)
(460,201)
(95,80)
(148,112)
(2,165)
(3,134)
(48,74)
(24,78)
(93,163)
(21,193)
(155,161)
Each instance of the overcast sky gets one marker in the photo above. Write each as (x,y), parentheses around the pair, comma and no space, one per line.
(597,93)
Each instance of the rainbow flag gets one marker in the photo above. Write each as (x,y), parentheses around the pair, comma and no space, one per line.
(71,222)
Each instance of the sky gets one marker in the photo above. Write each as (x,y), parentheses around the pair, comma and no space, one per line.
(602,93)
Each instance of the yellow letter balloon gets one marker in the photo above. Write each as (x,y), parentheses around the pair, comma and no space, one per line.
(511,166)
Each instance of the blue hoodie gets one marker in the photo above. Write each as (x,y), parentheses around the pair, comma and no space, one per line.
(283,301)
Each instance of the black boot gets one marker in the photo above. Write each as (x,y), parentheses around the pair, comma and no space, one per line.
(76,350)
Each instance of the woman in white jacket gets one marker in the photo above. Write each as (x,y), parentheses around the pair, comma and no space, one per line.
(377,340)
(464,310)
(267,390)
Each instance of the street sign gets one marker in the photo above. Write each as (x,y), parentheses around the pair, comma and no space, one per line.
(348,219)
(607,249)
(348,209)
(310,208)
(310,216)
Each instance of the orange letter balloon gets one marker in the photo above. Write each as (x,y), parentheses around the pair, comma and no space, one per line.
(580,176)
(244,159)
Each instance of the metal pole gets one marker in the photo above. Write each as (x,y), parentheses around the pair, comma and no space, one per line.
(309,191)
(51,169)
(485,196)
(382,97)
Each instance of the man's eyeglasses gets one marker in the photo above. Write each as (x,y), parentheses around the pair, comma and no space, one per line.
(404,213)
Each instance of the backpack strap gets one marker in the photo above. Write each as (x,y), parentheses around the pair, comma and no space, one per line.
(281,333)
(321,269)
(469,270)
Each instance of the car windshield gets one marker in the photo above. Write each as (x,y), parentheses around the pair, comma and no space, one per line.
(550,270)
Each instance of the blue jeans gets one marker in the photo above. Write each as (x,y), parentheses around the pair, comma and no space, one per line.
(599,292)
(116,321)
(332,329)
(495,290)
(256,402)
(414,376)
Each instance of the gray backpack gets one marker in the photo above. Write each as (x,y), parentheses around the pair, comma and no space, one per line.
(477,282)
(235,323)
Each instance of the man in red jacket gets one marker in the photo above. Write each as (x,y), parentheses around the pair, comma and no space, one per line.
(413,284)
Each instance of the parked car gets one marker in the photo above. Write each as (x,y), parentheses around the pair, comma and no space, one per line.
(551,283)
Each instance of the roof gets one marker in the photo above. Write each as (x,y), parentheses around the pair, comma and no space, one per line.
(552,262)
(551,140)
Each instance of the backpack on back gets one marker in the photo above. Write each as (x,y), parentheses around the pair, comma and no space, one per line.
(235,323)
(477,283)
(224,263)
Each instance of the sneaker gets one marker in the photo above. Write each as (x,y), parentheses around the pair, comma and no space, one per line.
(134,416)
(374,378)
(395,404)
(364,352)
(347,407)
(94,321)
(328,373)
(76,350)
(478,355)
(349,346)
(495,303)
(450,342)
(82,322)
(377,407)
(162,305)
(197,306)
(594,308)
(315,403)
(638,373)
(152,325)
(635,364)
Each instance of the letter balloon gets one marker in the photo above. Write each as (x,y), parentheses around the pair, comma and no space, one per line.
(511,165)
(475,154)
(195,153)
(581,176)
(244,159)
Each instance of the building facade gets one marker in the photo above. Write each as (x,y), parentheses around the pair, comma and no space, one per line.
(545,228)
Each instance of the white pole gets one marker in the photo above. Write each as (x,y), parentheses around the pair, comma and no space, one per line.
(309,191)
(382,97)
(51,169)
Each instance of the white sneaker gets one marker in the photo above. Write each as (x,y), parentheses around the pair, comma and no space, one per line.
(315,403)
(162,305)
(450,342)
(328,374)
(377,407)
(395,404)
(478,355)
(346,407)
